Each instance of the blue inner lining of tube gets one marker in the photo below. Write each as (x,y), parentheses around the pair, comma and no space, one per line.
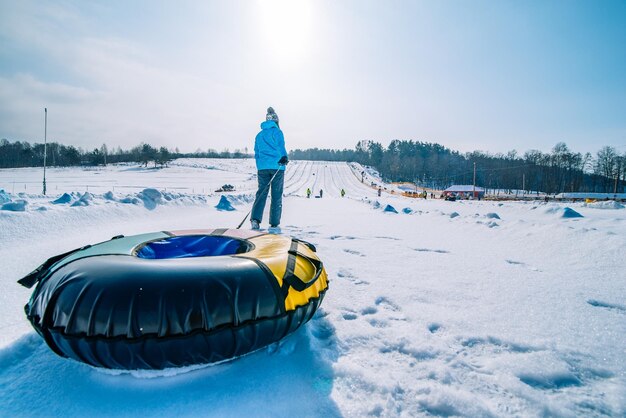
(193,246)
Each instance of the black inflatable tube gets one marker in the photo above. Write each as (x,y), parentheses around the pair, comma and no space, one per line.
(195,348)
(123,312)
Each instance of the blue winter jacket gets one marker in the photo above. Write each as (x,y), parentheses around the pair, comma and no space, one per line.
(269,147)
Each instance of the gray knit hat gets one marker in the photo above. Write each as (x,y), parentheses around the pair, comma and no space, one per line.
(271,115)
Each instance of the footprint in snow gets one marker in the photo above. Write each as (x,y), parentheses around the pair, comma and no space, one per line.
(434,327)
(335,237)
(497,344)
(389,238)
(522,264)
(349,316)
(403,347)
(353,252)
(565,370)
(385,303)
(606,305)
(378,323)
(346,274)
(550,381)
(429,250)
(370,310)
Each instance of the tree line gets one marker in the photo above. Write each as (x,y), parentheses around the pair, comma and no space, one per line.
(23,154)
(435,166)
(422,163)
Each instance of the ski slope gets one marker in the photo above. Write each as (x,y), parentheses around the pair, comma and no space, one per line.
(460,308)
(331,177)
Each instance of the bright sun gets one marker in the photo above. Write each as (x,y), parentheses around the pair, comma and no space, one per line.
(286,27)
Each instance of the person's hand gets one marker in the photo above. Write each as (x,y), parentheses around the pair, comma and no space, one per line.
(283,161)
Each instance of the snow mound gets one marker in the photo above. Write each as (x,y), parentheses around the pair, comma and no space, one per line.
(571,213)
(609,204)
(224,204)
(17,206)
(150,197)
(64,198)
(152,194)
(492,215)
(4,196)
(130,200)
(109,196)
(84,200)
(240,198)
(390,209)
(553,209)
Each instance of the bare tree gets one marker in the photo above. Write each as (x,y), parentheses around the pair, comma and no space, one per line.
(607,166)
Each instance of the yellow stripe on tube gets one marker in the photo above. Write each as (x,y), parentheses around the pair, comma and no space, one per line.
(273,251)
(305,271)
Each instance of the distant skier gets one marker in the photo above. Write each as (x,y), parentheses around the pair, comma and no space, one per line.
(308,193)
(321,193)
(380,191)
(271,158)
(343,192)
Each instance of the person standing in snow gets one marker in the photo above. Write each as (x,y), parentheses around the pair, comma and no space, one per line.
(271,158)
(308,193)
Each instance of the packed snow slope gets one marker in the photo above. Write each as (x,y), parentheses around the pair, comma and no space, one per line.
(434,309)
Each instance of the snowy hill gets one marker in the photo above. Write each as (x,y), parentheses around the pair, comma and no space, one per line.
(465,308)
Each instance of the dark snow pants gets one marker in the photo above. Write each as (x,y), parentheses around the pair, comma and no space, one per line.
(276,204)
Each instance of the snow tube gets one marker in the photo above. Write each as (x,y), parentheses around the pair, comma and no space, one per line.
(171,299)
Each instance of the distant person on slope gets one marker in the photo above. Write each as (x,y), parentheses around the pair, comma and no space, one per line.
(271,158)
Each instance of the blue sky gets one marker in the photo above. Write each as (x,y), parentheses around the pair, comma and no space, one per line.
(487,75)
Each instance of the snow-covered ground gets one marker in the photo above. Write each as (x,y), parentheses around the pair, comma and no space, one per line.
(466,308)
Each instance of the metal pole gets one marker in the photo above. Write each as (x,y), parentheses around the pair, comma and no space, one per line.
(45,148)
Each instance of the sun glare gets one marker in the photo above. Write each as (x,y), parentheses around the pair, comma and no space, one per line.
(286,28)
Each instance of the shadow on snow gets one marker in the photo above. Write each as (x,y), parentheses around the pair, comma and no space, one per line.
(289,378)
